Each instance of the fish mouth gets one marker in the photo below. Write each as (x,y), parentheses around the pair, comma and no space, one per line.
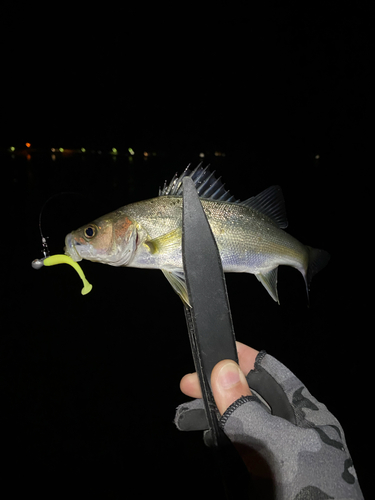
(70,248)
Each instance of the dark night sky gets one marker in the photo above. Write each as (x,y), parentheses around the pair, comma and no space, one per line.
(236,80)
(273,89)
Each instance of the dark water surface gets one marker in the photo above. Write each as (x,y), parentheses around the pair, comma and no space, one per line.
(91,383)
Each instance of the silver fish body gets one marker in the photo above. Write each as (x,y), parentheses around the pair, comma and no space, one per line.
(249,234)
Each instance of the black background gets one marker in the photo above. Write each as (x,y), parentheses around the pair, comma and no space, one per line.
(91,382)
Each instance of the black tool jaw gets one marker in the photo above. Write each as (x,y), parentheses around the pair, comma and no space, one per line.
(207,291)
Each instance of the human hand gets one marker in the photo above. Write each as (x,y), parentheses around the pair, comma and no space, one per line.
(291,444)
(228,380)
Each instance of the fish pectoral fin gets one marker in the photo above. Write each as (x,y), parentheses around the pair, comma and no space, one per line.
(166,242)
(269,281)
(177,279)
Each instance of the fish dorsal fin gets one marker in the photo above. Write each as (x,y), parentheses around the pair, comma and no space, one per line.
(270,203)
(207,185)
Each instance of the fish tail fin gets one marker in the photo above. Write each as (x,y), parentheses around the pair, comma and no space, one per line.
(317,260)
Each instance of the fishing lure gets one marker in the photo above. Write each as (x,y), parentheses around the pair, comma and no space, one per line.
(52,260)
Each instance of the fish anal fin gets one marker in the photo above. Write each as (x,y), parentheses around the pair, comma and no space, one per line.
(269,281)
(177,280)
(318,259)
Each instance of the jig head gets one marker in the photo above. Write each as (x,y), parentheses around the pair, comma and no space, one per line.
(52,260)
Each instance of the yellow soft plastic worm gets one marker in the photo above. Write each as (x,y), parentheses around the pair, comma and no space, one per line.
(65,259)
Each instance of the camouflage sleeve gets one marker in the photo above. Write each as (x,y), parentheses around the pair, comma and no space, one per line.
(289,441)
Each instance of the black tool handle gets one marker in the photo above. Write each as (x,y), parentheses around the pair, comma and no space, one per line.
(210,330)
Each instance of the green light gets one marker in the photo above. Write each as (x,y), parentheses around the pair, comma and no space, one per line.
(12,148)
(83,150)
(61,150)
(114,151)
(131,151)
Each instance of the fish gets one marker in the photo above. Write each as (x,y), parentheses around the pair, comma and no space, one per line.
(249,234)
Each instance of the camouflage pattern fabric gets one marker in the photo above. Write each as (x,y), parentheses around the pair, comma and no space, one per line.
(303,456)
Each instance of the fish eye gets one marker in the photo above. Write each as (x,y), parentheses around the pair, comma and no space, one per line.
(90,232)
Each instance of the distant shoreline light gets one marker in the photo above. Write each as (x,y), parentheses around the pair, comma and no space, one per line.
(27,150)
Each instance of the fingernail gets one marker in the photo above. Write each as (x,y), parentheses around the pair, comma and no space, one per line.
(229,375)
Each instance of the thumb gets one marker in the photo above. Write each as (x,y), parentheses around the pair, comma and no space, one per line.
(228,384)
